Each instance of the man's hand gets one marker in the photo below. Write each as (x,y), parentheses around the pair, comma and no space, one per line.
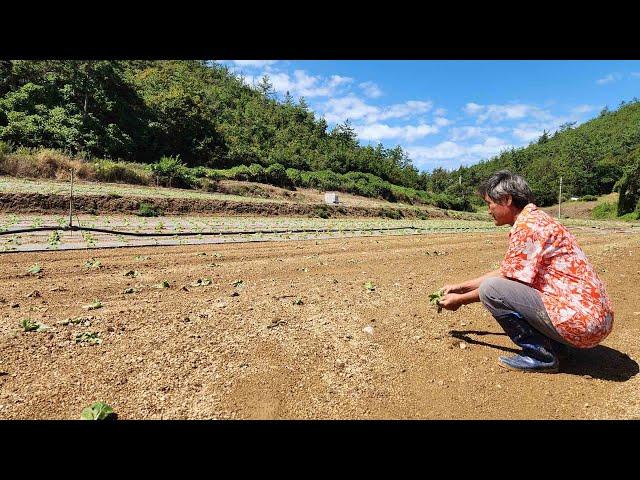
(453,289)
(451,301)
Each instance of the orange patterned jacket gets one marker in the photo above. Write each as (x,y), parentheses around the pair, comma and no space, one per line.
(543,254)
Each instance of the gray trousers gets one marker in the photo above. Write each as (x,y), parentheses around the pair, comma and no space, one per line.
(502,296)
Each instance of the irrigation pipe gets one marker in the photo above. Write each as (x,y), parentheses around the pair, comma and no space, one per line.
(72,228)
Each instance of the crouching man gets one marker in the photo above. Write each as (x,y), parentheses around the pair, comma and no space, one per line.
(545,295)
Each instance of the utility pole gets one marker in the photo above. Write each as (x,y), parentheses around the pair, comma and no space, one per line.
(460,180)
(71,201)
(560,197)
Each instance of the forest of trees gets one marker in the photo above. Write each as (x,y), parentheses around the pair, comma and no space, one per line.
(143,110)
(595,158)
(200,111)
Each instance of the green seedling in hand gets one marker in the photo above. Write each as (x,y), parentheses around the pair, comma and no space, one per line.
(435,297)
(97,411)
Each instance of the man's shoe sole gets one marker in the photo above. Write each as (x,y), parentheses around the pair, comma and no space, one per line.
(528,370)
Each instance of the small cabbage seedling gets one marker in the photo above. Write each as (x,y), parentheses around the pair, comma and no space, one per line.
(97,411)
(35,268)
(92,263)
(370,286)
(29,325)
(435,297)
(95,305)
(90,338)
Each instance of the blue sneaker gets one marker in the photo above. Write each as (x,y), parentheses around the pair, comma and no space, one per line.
(522,363)
(537,354)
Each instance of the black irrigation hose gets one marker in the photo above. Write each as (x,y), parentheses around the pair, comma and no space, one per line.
(68,228)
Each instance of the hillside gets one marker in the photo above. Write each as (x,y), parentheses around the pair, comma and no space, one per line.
(590,158)
(204,115)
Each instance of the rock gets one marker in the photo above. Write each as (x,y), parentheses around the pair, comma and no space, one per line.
(15,305)
(463,345)
(368,330)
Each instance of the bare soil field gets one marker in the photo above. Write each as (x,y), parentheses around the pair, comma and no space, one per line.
(289,330)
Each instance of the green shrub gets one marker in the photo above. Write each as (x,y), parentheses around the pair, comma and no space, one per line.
(588,198)
(171,172)
(209,185)
(392,213)
(276,174)
(121,172)
(257,173)
(148,210)
(5,149)
(630,216)
(321,211)
(294,177)
(604,210)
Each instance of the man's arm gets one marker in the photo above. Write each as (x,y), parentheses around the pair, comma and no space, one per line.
(470,285)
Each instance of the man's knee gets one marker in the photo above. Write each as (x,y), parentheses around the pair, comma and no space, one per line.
(488,290)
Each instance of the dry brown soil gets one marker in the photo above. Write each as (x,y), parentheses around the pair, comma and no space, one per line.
(249,351)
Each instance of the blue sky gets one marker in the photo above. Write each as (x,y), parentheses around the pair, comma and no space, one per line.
(450,113)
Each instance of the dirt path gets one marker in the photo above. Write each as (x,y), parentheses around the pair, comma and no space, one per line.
(206,352)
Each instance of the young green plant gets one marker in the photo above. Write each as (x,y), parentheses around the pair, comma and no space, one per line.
(435,297)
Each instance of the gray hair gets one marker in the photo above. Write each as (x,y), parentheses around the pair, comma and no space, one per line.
(504,183)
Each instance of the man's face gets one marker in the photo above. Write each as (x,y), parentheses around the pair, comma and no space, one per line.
(502,212)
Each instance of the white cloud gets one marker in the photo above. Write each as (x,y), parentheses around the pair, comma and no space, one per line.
(466,132)
(452,154)
(337,80)
(441,112)
(254,63)
(513,111)
(337,110)
(351,107)
(370,89)
(442,122)
(635,74)
(527,134)
(612,77)
(380,131)
(583,109)
(303,84)
(472,108)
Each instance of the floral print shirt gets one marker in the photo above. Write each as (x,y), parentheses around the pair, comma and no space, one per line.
(543,254)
